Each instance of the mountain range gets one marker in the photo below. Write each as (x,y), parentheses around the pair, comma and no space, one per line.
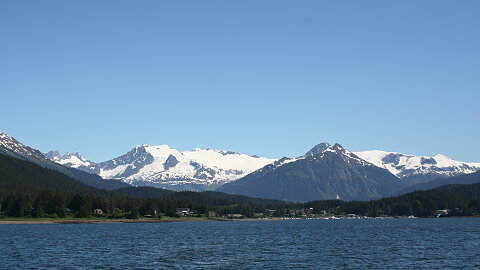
(32,191)
(325,172)
(207,169)
(332,172)
(418,169)
(162,166)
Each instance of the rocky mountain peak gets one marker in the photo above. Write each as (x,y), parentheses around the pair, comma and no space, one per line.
(319,148)
(13,147)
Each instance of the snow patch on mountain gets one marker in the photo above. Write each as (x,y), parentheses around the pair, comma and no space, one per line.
(408,166)
(71,159)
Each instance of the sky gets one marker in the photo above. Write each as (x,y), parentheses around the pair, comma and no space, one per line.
(271,78)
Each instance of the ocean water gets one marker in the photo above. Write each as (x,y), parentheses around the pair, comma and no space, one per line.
(449,243)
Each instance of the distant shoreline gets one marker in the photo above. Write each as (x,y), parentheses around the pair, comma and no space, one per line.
(102,221)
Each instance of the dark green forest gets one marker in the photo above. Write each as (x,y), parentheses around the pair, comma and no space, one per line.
(418,203)
(29,190)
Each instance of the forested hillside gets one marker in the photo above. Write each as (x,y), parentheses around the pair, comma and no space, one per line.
(20,175)
(27,189)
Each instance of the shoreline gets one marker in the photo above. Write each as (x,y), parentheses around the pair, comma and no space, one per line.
(104,221)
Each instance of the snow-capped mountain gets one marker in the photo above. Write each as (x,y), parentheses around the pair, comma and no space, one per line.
(11,147)
(417,169)
(205,169)
(73,160)
(324,172)
(162,166)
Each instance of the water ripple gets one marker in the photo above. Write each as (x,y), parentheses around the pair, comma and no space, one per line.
(298,244)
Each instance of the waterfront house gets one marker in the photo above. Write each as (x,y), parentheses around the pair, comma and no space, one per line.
(183,212)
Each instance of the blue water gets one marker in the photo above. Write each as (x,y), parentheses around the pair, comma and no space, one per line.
(300,244)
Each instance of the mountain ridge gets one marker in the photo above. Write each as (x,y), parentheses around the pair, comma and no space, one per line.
(334,173)
(417,169)
(464,179)
(11,147)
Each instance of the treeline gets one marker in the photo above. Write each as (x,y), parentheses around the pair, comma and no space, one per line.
(419,203)
(35,204)
(61,204)
(48,203)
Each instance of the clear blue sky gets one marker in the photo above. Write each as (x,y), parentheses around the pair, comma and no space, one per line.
(271,78)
